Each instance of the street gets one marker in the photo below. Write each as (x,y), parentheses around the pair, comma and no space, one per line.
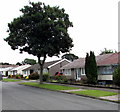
(19,97)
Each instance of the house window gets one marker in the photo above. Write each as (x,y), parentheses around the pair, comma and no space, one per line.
(24,72)
(45,70)
(83,71)
(67,72)
(106,70)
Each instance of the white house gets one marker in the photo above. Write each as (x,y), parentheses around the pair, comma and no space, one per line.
(19,70)
(5,71)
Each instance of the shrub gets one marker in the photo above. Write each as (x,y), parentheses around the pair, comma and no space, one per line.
(9,76)
(45,77)
(61,78)
(18,76)
(51,78)
(34,76)
(13,76)
(26,77)
(116,76)
(71,81)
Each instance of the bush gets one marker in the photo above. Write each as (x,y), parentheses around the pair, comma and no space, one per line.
(61,78)
(34,76)
(45,77)
(18,76)
(9,76)
(13,76)
(116,76)
(71,81)
(26,77)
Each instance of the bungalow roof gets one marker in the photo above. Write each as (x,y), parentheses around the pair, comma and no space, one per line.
(106,59)
(20,67)
(5,66)
(36,66)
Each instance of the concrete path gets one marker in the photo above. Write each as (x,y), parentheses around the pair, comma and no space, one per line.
(73,90)
(113,98)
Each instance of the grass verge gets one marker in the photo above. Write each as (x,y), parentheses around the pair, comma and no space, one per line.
(11,80)
(49,86)
(95,93)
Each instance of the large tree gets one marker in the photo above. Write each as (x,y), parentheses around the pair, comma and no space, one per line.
(42,31)
(70,56)
(107,51)
(91,68)
(29,61)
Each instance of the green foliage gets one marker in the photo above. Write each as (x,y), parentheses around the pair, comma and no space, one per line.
(17,76)
(5,63)
(116,76)
(29,61)
(107,51)
(91,68)
(45,77)
(34,76)
(42,31)
(9,76)
(70,57)
(61,78)
(18,63)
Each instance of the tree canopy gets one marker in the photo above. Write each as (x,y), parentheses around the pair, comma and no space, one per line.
(107,51)
(91,68)
(70,57)
(29,61)
(41,30)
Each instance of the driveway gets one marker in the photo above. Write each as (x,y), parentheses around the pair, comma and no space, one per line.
(19,97)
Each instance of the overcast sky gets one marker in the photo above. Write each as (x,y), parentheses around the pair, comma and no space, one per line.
(95,26)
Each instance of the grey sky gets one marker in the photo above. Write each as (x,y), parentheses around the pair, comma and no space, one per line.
(95,26)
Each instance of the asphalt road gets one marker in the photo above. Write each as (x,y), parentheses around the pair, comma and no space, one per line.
(19,97)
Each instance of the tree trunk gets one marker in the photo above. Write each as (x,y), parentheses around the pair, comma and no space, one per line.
(41,64)
(41,74)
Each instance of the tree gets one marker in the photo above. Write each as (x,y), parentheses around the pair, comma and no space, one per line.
(5,63)
(107,51)
(91,68)
(116,76)
(18,63)
(29,61)
(41,31)
(70,57)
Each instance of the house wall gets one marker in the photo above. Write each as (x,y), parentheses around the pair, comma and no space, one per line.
(56,68)
(105,77)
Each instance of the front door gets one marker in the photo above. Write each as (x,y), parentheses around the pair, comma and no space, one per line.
(78,73)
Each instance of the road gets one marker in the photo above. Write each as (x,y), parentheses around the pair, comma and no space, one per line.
(19,97)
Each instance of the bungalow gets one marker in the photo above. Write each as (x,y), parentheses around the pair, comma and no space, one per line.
(18,70)
(106,65)
(5,69)
(49,67)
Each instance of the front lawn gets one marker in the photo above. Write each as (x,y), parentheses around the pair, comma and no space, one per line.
(11,80)
(49,86)
(95,93)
